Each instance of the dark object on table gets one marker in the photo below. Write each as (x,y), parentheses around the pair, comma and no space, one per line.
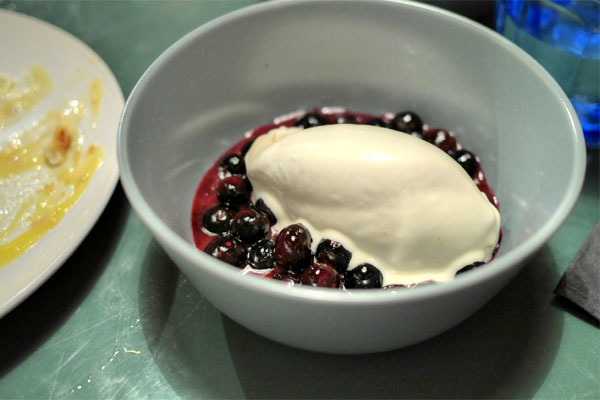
(481,11)
(581,281)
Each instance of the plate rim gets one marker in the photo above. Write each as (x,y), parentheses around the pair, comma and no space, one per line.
(15,297)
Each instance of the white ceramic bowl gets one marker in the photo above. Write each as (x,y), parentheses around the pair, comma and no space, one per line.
(243,69)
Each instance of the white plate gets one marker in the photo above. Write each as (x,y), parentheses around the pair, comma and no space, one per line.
(25,41)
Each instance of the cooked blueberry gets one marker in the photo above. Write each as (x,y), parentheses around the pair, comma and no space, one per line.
(233,164)
(364,276)
(287,276)
(442,139)
(470,267)
(250,225)
(262,207)
(217,219)
(467,160)
(395,286)
(345,119)
(333,253)
(227,249)
(246,147)
(497,244)
(234,189)
(322,275)
(312,119)
(260,254)
(377,122)
(292,248)
(409,122)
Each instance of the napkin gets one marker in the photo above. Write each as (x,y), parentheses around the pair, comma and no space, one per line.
(581,281)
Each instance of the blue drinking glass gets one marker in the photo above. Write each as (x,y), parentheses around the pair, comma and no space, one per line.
(564,37)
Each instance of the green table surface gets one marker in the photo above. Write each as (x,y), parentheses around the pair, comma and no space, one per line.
(119,321)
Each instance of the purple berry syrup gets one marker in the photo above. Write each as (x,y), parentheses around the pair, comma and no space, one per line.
(206,193)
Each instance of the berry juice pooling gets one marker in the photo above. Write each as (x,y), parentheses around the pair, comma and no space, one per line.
(228,226)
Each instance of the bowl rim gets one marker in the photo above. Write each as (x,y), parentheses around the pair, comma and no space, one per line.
(230,274)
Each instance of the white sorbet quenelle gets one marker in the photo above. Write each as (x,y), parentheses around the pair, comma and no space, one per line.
(391,199)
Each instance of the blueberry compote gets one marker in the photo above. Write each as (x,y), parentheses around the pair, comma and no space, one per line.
(230,225)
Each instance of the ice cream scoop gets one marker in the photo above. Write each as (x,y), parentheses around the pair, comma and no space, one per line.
(391,199)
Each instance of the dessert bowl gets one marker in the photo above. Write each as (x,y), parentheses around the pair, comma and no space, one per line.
(243,69)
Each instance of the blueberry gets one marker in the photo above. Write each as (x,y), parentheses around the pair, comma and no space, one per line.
(249,225)
(364,276)
(262,207)
(227,249)
(395,286)
(409,122)
(292,248)
(260,254)
(233,164)
(333,253)
(217,219)
(234,190)
(497,245)
(312,119)
(346,119)
(469,267)
(246,147)
(442,139)
(287,276)
(467,160)
(322,275)
(377,122)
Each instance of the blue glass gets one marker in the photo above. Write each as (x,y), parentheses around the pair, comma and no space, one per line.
(564,37)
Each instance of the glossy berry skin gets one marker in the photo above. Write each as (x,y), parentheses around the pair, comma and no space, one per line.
(409,122)
(227,249)
(311,119)
(470,267)
(260,254)
(334,254)
(346,119)
(292,249)
(246,147)
(234,190)
(378,122)
(467,160)
(287,276)
(321,275)
(233,164)
(497,245)
(364,276)
(442,139)
(262,207)
(395,286)
(217,219)
(251,244)
(249,225)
